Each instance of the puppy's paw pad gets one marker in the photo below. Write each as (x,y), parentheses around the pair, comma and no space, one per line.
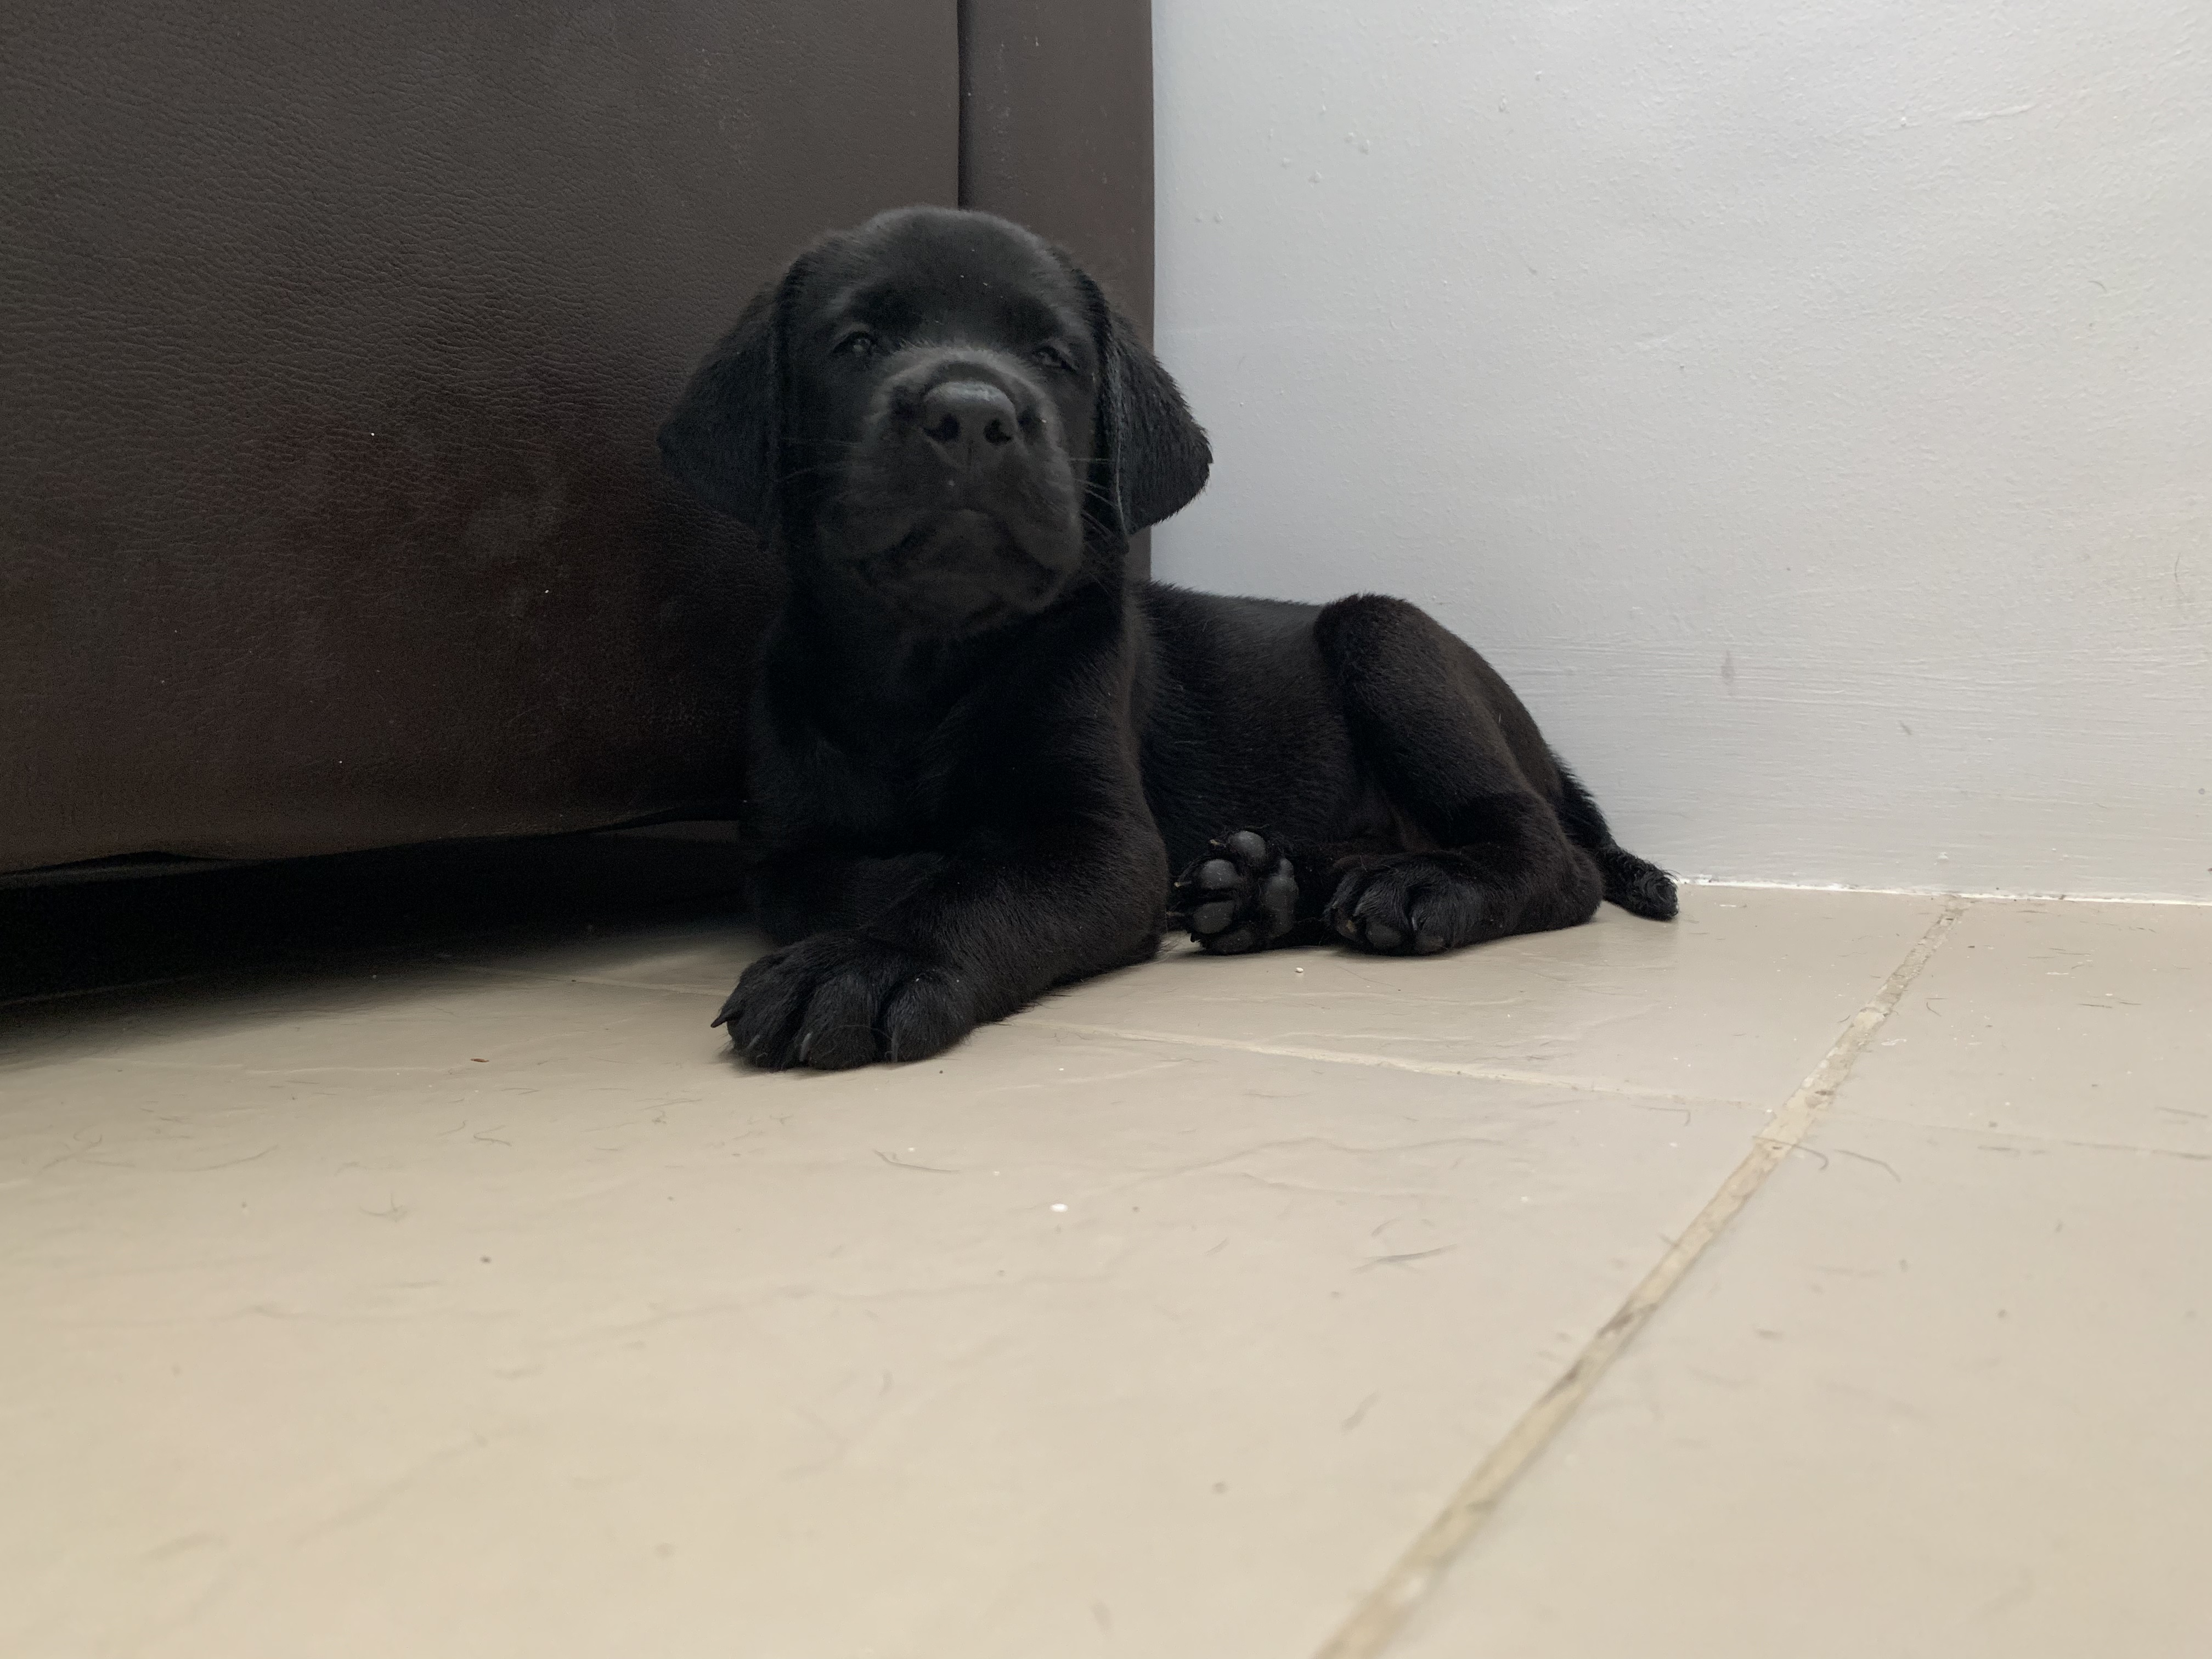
(1248,845)
(1242,895)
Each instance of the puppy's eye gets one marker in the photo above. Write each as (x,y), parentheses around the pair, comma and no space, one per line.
(859,344)
(1052,357)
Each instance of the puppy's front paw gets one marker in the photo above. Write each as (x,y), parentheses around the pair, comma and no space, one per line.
(842,1000)
(1242,895)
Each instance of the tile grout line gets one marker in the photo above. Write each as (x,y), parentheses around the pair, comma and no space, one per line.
(1383,1614)
(1996,896)
(1425,1067)
(579,979)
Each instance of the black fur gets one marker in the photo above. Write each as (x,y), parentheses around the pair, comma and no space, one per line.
(979,751)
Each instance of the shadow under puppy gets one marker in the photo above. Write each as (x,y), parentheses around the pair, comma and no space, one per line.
(978,749)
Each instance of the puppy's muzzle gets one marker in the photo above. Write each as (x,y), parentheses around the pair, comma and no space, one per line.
(968,421)
(976,431)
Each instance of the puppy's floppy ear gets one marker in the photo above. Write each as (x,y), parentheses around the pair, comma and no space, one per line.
(724,434)
(1156,455)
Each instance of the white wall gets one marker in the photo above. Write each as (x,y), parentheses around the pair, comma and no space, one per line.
(1808,404)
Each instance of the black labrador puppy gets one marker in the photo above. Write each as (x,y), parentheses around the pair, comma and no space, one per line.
(978,749)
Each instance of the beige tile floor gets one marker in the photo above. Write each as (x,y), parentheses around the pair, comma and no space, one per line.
(1827,1275)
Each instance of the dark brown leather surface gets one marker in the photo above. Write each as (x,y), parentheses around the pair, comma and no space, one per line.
(1057,130)
(1056,134)
(332,342)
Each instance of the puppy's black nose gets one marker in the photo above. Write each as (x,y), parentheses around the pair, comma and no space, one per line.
(966,419)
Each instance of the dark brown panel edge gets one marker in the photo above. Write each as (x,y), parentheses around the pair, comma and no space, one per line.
(1056,134)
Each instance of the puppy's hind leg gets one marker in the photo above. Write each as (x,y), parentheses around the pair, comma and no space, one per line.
(1459,757)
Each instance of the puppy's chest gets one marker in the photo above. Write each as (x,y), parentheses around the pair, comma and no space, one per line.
(884,796)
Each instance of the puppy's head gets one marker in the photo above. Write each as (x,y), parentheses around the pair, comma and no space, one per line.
(938,411)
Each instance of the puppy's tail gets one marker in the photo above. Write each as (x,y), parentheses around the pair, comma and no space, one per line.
(1642,889)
